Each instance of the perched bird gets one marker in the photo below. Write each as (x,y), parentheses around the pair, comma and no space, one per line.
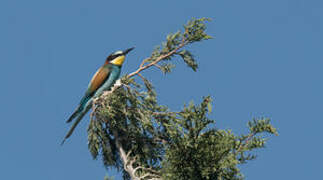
(102,80)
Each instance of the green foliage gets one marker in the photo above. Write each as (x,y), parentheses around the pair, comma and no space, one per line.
(194,31)
(188,59)
(162,143)
(200,151)
(126,112)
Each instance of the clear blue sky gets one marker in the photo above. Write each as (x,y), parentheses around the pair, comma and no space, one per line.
(266,60)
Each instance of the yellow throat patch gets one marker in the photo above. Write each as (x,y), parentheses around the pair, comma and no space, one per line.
(118,61)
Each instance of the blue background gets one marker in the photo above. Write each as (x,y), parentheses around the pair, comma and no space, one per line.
(266,60)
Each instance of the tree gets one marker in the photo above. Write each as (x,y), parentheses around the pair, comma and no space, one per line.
(132,132)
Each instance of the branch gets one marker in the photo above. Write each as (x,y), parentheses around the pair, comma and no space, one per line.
(159,67)
(124,157)
(242,145)
(143,67)
(128,163)
(143,79)
(143,62)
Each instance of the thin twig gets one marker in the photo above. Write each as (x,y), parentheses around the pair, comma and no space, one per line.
(144,61)
(158,59)
(159,67)
(142,77)
(242,145)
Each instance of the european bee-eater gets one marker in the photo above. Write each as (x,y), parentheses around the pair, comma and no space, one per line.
(102,80)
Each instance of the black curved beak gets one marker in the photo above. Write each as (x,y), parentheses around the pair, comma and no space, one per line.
(128,50)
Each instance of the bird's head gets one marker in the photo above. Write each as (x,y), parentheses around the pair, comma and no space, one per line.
(117,58)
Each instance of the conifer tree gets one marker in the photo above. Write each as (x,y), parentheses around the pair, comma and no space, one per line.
(129,130)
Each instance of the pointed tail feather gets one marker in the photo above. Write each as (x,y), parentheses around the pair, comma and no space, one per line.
(76,113)
(78,120)
(79,109)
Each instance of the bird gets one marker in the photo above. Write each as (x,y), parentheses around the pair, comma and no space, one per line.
(103,80)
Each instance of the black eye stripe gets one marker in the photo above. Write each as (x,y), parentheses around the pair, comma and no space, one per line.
(113,56)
